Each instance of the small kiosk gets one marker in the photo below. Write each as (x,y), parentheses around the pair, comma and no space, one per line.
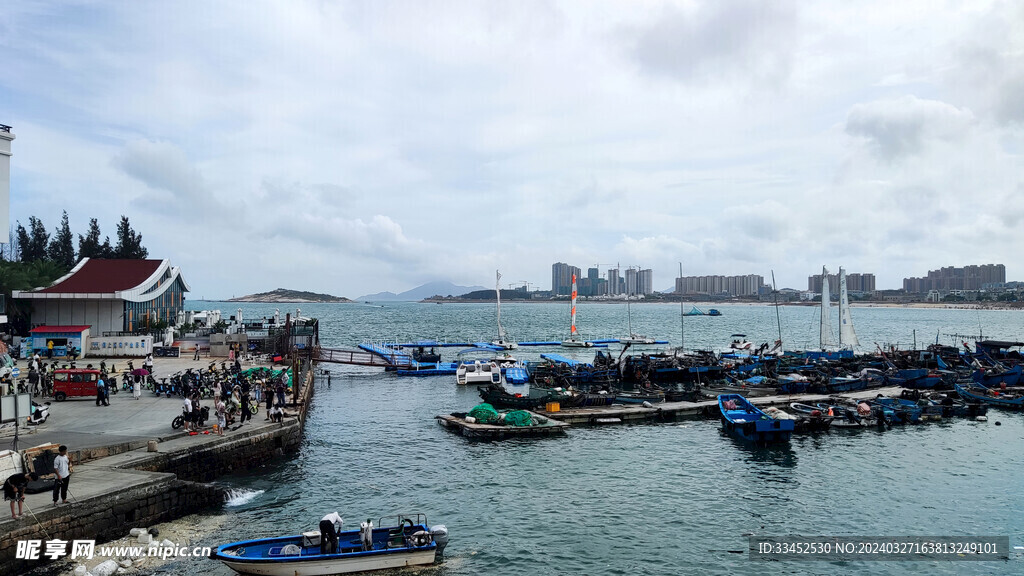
(62,337)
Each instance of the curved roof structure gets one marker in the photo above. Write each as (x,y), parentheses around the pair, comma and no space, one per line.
(103,279)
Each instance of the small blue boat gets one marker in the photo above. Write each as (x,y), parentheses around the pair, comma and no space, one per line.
(746,421)
(974,392)
(407,543)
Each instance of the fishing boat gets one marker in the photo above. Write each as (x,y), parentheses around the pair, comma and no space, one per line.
(905,411)
(477,372)
(973,392)
(713,312)
(574,341)
(502,342)
(744,420)
(652,396)
(404,541)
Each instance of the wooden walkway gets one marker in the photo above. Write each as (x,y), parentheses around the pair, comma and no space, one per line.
(666,411)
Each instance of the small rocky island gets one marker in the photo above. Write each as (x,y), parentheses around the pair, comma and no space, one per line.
(284,296)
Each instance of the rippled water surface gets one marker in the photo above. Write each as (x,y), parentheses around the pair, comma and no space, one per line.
(676,498)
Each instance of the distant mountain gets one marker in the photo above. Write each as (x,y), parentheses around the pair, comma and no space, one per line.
(288,296)
(420,292)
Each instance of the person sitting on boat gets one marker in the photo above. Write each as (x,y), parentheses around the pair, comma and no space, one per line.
(330,527)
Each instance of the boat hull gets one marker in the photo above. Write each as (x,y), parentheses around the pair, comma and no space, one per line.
(328,566)
(747,422)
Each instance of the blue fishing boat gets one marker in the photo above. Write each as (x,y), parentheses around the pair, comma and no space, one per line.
(997,376)
(746,421)
(974,392)
(904,411)
(408,542)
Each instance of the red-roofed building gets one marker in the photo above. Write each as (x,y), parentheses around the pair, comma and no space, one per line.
(110,296)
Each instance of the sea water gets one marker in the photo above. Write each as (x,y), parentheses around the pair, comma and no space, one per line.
(673,498)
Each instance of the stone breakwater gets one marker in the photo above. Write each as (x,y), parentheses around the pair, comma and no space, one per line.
(115,490)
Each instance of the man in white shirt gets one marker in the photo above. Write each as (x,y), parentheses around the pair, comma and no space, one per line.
(186,412)
(62,470)
(330,527)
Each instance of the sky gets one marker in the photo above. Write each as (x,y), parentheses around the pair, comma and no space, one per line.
(354,147)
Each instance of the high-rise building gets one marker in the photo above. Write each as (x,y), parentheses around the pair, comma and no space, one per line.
(951,278)
(855,282)
(615,284)
(645,281)
(749,285)
(631,284)
(561,277)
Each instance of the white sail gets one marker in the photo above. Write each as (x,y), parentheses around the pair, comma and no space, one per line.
(847,335)
(825,335)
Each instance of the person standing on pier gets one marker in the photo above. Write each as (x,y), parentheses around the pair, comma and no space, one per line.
(14,490)
(186,413)
(279,389)
(222,419)
(62,471)
(268,394)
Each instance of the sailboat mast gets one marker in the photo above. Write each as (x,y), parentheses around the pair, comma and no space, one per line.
(629,315)
(778,319)
(497,291)
(682,315)
(842,292)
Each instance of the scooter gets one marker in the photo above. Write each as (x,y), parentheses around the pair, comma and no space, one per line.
(179,420)
(38,413)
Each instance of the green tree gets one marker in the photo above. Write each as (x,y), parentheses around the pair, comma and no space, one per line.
(61,249)
(89,245)
(129,242)
(34,242)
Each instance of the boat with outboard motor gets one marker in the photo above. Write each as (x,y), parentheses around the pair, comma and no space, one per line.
(405,541)
(477,372)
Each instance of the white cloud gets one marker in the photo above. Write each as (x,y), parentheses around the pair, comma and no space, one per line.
(354,147)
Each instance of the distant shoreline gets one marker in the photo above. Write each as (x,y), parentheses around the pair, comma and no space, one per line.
(1008,306)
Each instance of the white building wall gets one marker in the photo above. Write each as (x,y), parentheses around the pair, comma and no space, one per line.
(5,184)
(101,315)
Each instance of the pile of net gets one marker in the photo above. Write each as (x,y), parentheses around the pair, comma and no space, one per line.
(518,418)
(484,414)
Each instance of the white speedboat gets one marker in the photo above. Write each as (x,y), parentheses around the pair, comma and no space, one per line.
(408,543)
(477,372)
(574,343)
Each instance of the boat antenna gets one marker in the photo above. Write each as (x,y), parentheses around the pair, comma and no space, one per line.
(778,319)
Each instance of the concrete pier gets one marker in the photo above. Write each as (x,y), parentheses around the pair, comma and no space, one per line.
(117,484)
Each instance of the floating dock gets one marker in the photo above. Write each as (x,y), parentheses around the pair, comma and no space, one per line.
(547,427)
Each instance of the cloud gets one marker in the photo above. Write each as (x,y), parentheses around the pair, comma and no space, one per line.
(718,39)
(174,187)
(897,128)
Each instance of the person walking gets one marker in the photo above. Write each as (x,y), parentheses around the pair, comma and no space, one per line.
(196,355)
(14,490)
(137,387)
(101,392)
(62,471)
